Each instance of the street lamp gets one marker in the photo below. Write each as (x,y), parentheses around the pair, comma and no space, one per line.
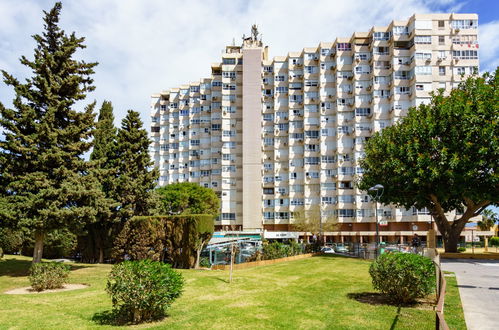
(378,191)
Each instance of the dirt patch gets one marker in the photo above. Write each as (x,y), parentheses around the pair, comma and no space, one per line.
(29,290)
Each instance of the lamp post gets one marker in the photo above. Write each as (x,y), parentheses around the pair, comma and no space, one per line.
(378,190)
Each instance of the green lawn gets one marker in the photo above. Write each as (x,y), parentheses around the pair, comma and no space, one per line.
(311,293)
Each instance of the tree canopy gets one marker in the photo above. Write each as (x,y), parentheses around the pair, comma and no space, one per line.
(188,198)
(135,176)
(443,156)
(46,184)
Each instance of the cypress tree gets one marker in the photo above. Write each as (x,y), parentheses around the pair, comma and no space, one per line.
(136,179)
(47,181)
(98,236)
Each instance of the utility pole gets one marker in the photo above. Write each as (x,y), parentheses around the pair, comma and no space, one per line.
(231,261)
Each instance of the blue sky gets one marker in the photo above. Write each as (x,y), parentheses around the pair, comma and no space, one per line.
(144,47)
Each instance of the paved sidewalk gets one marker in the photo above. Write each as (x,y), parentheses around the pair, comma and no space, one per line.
(478,282)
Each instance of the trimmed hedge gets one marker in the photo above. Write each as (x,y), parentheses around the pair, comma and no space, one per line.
(175,239)
(403,277)
(143,290)
(48,275)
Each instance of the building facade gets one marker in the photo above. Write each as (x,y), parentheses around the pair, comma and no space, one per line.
(276,136)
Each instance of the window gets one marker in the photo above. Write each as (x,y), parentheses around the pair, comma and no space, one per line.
(282,215)
(423,56)
(400,30)
(381,35)
(464,24)
(464,39)
(362,112)
(268,69)
(312,134)
(281,89)
(344,46)
(403,75)
(326,200)
(228,216)
(381,50)
(312,160)
(422,39)
(423,211)
(268,215)
(346,213)
(268,191)
(403,90)
(441,70)
(325,51)
(422,70)
(229,61)
(465,54)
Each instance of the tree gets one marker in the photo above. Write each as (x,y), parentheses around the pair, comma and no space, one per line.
(489,219)
(442,156)
(188,198)
(98,236)
(45,179)
(135,177)
(314,220)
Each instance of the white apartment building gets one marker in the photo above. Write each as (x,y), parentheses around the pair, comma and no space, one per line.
(275,136)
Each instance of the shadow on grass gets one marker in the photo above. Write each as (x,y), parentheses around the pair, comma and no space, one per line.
(375,298)
(396,319)
(13,267)
(117,318)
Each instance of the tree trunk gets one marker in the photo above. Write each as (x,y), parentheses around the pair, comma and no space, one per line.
(451,240)
(101,255)
(38,250)
(198,255)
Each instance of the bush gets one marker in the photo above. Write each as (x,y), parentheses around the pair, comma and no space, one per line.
(48,275)
(461,249)
(143,290)
(11,241)
(494,241)
(205,262)
(404,277)
(1,253)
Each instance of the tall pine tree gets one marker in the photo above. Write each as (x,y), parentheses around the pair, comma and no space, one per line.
(98,235)
(47,181)
(136,179)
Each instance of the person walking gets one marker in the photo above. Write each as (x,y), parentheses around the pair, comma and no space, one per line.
(416,243)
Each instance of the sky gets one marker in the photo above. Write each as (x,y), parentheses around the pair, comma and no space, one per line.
(146,46)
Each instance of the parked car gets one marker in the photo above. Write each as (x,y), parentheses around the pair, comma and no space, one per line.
(341,248)
(327,250)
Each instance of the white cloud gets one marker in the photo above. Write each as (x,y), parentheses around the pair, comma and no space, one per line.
(144,47)
(488,35)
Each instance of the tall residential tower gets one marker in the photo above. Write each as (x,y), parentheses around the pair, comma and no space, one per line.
(275,136)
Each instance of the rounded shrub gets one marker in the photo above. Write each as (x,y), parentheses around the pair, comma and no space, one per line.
(403,277)
(494,241)
(48,275)
(143,290)
(461,249)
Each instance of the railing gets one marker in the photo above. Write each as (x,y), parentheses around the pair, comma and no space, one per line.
(441,287)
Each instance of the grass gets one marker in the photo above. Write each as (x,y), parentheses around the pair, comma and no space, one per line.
(313,293)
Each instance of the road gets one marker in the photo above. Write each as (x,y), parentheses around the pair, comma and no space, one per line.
(478,282)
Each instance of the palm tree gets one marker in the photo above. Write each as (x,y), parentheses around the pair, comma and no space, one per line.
(488,221)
